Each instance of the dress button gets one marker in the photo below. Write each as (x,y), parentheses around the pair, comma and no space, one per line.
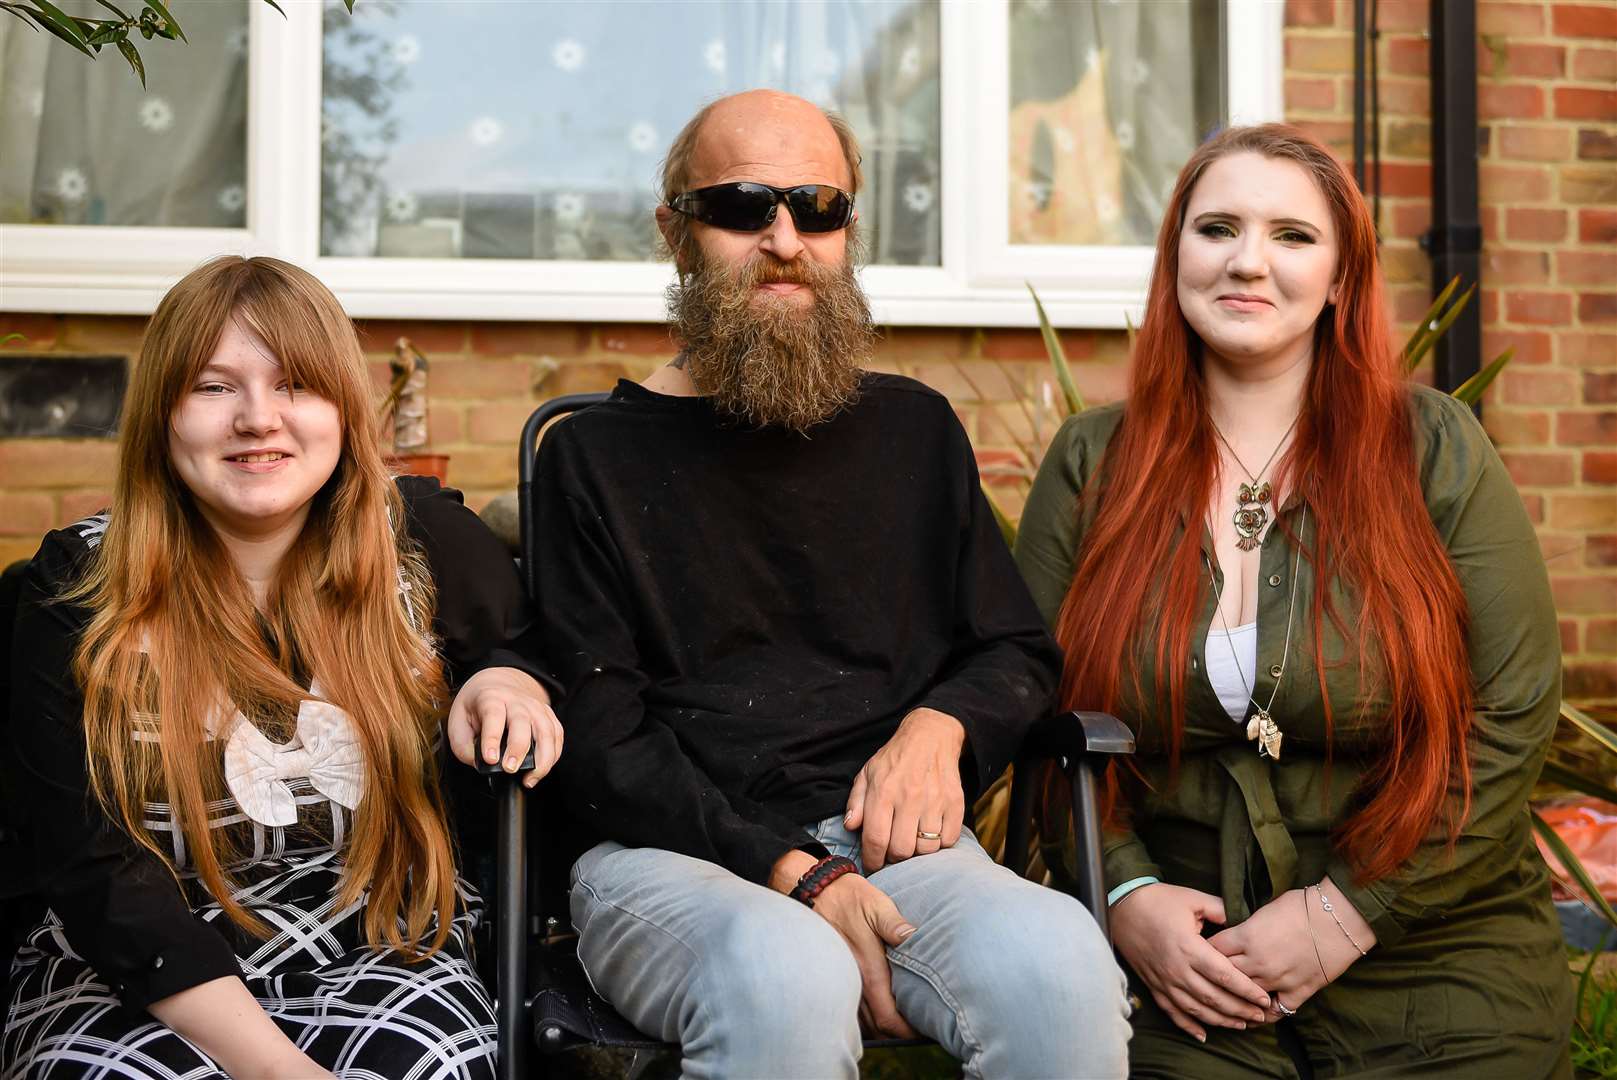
(1194,663)
(1275,671)
(157,963)
(1274,579)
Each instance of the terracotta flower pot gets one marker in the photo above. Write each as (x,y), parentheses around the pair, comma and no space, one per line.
(419,465)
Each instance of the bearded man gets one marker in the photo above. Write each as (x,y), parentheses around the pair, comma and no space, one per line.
(794,646)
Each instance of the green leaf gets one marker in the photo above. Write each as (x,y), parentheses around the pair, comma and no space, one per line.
(1428,321)
(1573,780)
(1441,327)
(1591,727)
(110,6)
(1471,390)
(131,54)
(173,23)
(60,25)
(108,33)
(276,6)
(1007,528)
(1058,357)
(1570,863)
(350,5)
(9,338)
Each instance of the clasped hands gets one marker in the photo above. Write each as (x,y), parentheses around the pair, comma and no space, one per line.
(1233,978)
(906,801)
(496,701)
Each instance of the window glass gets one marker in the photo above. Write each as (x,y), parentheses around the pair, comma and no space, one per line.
(1107,101)
(534,131)
(82,144)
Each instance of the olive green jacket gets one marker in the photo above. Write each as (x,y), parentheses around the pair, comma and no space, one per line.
(1249,828)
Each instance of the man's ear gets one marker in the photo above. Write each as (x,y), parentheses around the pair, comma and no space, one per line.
(665,225)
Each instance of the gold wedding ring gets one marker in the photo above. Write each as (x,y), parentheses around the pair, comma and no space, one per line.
(920,835)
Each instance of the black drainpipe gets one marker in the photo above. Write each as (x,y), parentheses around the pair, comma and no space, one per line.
(1455,239)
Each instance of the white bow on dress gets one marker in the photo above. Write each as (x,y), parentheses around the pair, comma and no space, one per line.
(324,748)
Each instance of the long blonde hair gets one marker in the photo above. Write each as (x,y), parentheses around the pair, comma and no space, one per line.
(175,630)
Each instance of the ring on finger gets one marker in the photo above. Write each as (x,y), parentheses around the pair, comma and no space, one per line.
(922,834)
(1280,1007)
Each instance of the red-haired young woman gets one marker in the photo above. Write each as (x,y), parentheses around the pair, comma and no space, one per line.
(1312,590)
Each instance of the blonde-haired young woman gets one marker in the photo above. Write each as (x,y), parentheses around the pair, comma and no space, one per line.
(227,696)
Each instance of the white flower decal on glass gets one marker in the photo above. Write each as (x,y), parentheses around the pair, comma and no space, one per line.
(715,56)
(568,54)
(1125,135)
(486,131)
(232,198)
(402,206)
(156,115)
(918,197)
(72,186)
(643,137)
(569,208)
(406,49)
(909,61)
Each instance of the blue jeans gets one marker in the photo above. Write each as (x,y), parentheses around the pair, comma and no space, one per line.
(1010,977)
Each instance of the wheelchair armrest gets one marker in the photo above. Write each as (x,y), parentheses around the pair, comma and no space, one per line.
(495,768)
(1071,735)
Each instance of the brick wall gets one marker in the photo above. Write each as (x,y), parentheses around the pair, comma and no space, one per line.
(1548,103)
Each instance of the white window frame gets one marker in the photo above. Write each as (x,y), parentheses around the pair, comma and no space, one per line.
(980,282)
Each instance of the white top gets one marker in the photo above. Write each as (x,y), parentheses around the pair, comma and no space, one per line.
(1224,652)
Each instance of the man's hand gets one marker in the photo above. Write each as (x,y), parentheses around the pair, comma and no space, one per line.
(497,700)
(911,786)
(868,921)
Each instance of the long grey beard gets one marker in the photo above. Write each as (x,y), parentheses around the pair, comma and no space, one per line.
(773,364)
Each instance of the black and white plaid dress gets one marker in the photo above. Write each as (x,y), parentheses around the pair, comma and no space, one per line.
(287,800)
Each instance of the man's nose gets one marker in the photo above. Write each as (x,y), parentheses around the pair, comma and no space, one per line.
(781,238)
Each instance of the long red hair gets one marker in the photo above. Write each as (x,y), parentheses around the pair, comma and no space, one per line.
(1352,460)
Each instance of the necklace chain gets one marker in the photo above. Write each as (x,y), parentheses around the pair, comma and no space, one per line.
(1249,474)
(1267,731)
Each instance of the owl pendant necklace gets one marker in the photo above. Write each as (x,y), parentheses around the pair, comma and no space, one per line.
(1253,497)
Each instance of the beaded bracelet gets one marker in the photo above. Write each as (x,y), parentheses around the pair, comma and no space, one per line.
(1324,902)
(821,874)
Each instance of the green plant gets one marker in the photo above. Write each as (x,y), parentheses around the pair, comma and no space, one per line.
(88,36)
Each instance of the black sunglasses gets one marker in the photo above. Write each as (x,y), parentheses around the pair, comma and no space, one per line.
(748,207)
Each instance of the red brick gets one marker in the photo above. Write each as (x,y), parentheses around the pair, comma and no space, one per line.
(39,331)
(1585,20)
(1586,267)
(1499,100)
(1569,635)
(102,333)
(1400,15)
(1408,139)
(1589,681)
(1600,387)
(1411,218)
(1601,636)
(529,338)
(1533,143)
(1596,145)
(1597,307)
(1522,20)
(1534,505)
(26,514)
(1336,134)
(910,343)
(1490,306)
(1513,427)
(1318,95)
(1311,12)
(59,463)
(1594,64)
(445,426)
(1512,267)
(78,505)
(637,339)
(1600,551)
(1588,185)
(1535,226)
(1400,178)
(1329,53)
(1010,344)
(1532,346)
(1586,428)
(1585,595)
(429,335)
(1578,511)
(1406,97)
(1526,386)
(1513,183)
(1584,103)
(1600,466)
(1544,308)
(1563,552)
(1597,226)
(1586,350)
(1535,61)
(1402,263)
(1409,56)
(497,422)
(582,377)
(480,379)
(1540,469)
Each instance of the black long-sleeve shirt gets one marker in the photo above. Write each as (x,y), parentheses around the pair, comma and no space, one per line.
(120,907)
(741,617)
